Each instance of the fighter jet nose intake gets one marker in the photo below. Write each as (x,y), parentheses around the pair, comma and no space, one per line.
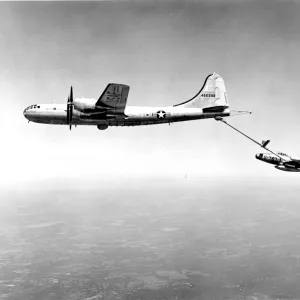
(258,155)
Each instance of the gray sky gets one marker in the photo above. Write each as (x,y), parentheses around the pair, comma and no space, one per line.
(163,50)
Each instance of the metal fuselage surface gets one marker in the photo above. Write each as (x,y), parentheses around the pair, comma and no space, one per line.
(282,161)
(111,108)
(134,115)
(269,158)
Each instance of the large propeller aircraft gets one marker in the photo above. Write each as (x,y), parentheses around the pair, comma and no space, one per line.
(111,109)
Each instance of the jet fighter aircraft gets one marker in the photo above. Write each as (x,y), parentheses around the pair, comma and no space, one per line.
(280,160)
(111,109)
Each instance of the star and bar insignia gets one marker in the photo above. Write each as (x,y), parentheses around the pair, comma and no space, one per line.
(161,114)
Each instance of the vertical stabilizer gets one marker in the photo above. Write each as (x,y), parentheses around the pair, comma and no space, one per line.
(212,96)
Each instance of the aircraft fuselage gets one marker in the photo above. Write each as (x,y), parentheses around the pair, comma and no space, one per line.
(133,115)
(282,161)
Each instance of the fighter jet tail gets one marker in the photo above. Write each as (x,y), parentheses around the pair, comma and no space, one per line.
(265,143)
(211,98)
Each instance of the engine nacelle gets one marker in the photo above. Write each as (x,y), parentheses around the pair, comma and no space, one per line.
(84,104)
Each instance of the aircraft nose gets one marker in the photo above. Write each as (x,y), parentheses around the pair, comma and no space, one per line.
(259,156)
(26,113)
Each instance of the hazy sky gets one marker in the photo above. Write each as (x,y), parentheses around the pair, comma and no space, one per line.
(163,50)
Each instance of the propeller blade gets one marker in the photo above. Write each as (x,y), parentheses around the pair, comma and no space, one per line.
(68,111)
(70,108)
(71,95)
(71,112)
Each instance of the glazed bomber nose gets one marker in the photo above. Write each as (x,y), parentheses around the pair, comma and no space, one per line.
(27,114)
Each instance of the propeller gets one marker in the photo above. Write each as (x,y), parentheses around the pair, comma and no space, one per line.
(70,106)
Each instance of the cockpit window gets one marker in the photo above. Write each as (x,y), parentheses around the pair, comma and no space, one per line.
(32,107)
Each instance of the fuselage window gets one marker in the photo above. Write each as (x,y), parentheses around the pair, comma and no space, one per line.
(54,108)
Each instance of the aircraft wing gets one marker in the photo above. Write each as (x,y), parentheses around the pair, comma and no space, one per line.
(295,163)
(114,98)
(295,159)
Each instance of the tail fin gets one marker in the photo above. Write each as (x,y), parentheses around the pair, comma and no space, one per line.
(265,143)
(114,96)
(211,98)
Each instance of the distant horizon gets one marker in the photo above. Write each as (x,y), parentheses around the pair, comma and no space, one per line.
(167,182)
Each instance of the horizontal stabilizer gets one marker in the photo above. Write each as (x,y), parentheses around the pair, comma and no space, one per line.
(214,109)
